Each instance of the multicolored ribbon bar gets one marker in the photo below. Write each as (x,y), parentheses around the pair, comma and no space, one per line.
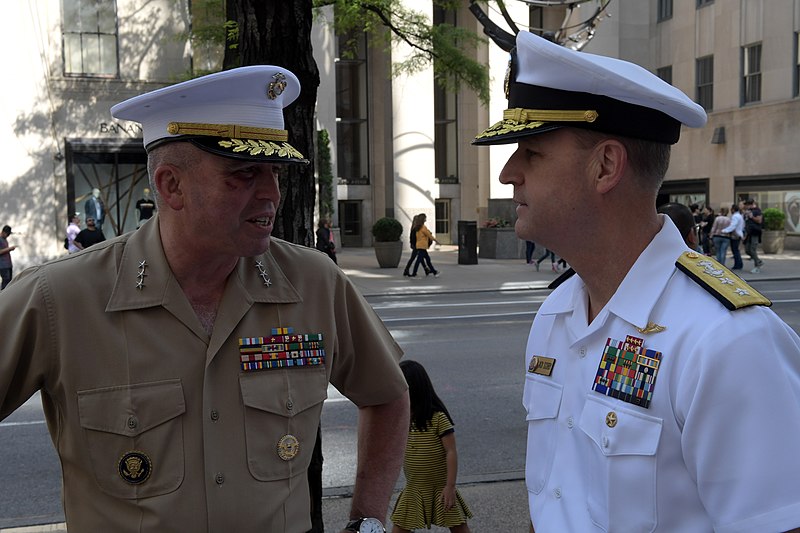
(628,371)
(282,349)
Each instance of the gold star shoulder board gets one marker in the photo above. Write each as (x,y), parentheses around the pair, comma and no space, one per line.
(724,285)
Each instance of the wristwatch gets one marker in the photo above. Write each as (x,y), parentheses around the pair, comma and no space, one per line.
(365,525)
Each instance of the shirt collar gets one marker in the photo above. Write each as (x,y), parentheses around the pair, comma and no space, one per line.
(144,278)
(639,291)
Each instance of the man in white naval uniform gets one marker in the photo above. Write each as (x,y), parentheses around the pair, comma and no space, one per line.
(662,394)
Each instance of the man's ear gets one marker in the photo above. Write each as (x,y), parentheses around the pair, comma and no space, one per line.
(607,165)
(167,181)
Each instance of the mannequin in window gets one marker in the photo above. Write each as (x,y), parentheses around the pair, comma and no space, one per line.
(145,207)
(95,208)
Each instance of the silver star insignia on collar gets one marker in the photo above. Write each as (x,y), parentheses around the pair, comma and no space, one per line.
(140,274)
(263,273)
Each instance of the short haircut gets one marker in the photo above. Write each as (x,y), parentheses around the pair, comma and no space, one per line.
(648,160)
(681,216)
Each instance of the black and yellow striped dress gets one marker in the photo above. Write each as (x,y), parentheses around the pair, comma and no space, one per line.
(419,504)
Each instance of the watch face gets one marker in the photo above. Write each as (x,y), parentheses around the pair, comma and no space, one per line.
(371,525)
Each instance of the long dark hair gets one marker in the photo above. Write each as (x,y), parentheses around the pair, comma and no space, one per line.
(424,400)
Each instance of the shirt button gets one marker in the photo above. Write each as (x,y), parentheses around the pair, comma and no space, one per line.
(570,422)
(605,442)
(557,493)
(132,422)
(220,479)
(214,415)
(289,405)
(583,352)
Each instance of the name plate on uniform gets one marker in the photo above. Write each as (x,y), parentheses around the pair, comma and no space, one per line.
(282,349)
(541,365)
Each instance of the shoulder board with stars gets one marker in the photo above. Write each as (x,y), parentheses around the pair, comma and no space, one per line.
(724,285)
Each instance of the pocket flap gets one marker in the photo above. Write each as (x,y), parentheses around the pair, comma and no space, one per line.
(633,433)
(542,399)
(131,409)
(278,393)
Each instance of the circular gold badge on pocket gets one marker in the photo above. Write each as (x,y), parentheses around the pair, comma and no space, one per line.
(135,467)
(288,447)
(611,419)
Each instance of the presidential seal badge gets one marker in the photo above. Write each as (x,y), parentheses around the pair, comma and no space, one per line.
(288,447)
(135,467)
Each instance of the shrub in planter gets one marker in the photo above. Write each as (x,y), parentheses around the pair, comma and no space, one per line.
(774,234)
(388,247)
(774,219)
(387,229)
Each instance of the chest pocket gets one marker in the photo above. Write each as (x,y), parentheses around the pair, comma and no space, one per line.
(144,418)
(542,401)
(282,411)
(621,467)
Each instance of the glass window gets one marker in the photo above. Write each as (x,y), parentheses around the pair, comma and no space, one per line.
(664,10)
(445,117)
(703,3)
(352,138)
(119,173)
(796,91)
(90,38)
(751,70)
(705,82)
(786,198)
(665,73)
(442,230)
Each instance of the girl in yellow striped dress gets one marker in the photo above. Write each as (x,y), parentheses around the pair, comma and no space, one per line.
(430,496)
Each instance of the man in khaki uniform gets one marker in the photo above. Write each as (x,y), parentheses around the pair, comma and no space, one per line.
(183,377)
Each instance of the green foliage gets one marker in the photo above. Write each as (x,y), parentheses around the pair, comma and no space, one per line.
(387,229)
(325,174)
(774,219)
(443,46)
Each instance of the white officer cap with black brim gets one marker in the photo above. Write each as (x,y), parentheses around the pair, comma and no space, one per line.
(235,113)
(549,87)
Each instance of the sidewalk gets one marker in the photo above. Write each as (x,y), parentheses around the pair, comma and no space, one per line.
(498,274)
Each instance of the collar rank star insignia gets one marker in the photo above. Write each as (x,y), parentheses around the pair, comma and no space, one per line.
(628,371)
(541,365)
(135,467)
(282,349)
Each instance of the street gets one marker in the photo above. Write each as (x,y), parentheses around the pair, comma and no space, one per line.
(471,345)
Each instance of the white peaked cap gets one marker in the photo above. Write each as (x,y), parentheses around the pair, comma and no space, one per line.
(234,113)
(551,86)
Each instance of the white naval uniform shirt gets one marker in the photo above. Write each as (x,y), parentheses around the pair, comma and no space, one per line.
(719,446)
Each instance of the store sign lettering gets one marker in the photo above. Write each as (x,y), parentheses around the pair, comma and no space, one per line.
(116,128)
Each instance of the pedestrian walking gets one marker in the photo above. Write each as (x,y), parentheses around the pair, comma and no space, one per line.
(424,241)
(6,264)
(430,496)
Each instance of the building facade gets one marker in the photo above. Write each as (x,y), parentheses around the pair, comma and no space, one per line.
(400,145)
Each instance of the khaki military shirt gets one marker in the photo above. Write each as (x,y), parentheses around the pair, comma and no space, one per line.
(157,425)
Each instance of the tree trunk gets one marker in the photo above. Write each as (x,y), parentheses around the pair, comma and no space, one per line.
(279,33)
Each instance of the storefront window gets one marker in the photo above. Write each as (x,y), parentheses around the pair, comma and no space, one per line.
(787,201)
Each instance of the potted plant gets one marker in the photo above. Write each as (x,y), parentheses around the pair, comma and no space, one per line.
(774,232)
(388,246)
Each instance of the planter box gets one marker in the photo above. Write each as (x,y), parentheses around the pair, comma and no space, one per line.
(772,241)
(500,243)
(388,254)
